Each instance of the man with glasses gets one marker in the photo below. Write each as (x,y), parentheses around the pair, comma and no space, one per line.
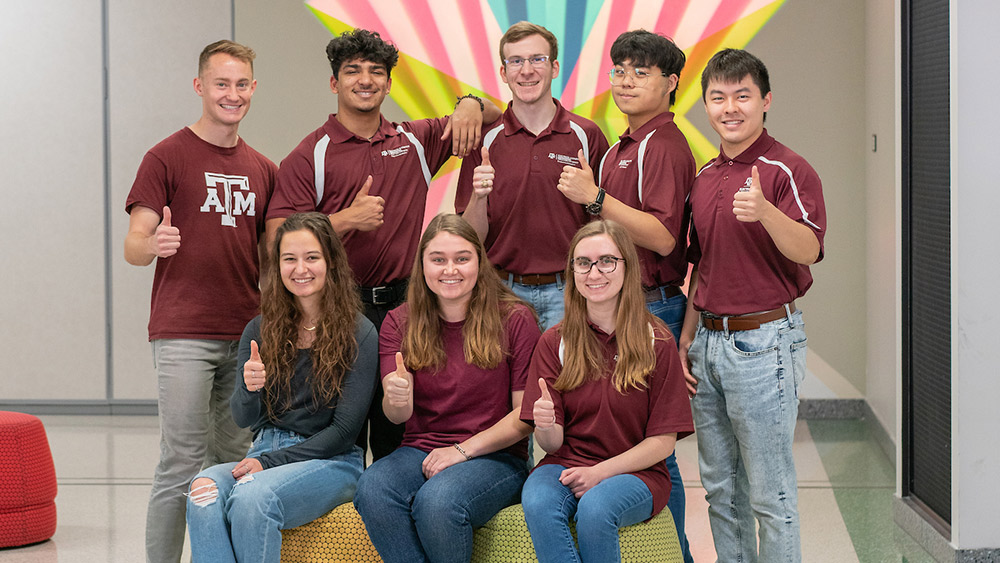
(508,191)
(371,177)
(757,223)
(645,179)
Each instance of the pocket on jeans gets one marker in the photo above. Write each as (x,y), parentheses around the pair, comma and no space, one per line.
(752,343)
(798,350)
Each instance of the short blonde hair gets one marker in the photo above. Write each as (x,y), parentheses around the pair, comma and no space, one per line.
(523,29)
(231,48)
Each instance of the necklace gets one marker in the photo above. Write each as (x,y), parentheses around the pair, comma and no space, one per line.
(309,328)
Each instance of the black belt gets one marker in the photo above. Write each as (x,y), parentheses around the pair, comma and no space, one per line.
(662,293)
(384,295)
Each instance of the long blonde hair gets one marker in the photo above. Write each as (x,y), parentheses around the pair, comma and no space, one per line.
(483,335)
(335,347)
(583,358)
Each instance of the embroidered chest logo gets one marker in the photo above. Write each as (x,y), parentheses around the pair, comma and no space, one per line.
(237,199)
(748,183)
(623,163)
(563,159)
(397,152)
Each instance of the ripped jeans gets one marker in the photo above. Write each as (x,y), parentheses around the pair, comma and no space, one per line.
(242,520)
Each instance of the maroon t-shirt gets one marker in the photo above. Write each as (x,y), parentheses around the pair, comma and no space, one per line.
(217,197)
(531,222)
(740,270)
(599,422)
(327,169)
(461,400)
(652,169)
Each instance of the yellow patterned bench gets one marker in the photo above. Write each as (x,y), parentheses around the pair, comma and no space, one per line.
(340,536)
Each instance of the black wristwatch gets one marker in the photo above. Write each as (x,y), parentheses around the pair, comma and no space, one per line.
(595,207)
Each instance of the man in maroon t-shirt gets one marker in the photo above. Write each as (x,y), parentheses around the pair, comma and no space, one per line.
(212,191)
(646,177)
(757,223)
(371,177)
(508,190)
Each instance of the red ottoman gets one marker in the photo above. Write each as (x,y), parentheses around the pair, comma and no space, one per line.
(27,481)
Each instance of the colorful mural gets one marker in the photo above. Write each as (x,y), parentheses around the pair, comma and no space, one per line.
(449,48)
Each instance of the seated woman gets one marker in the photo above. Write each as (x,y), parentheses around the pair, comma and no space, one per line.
(309,365)
(607,397)
(455,360)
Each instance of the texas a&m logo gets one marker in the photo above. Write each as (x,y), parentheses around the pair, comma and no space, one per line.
(237,197)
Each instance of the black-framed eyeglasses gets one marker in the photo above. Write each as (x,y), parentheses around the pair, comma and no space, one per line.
(536,61)
(639,77)
(605,264)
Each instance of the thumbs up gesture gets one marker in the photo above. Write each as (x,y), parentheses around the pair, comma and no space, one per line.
(749,204)
(367,209)
(544,411)
(254,375)
(166,238)
(398,385)
(483,176)
(577,184)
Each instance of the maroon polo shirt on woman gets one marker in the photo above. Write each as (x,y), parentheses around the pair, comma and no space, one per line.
(651,169)
(327,169)
(460,400)
(531,222)
(740,270)
(599,422)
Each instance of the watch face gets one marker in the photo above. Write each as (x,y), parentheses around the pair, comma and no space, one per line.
(593,208)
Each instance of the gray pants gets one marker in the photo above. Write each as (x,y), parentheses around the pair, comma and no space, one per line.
(195,380)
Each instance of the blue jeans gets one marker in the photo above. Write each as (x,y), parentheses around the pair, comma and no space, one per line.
(243,521)
(411,519)
(195,379)
(671,312)
(744,412)
(546,299)
(614,503)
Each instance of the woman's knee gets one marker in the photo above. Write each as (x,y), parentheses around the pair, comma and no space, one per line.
(203,492)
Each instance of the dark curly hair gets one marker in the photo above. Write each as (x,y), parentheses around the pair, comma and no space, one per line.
(363,44)
(644,48)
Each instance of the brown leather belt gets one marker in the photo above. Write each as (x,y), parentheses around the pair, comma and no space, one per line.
(528,279)
(654,294)
(744,322)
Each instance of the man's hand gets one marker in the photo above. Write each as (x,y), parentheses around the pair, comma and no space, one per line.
(464,127)
(750,205)
(577,184)
(398,385)
(544,411)
(683,345)
(254,374)
(483,176)
(166,239)
(367,210)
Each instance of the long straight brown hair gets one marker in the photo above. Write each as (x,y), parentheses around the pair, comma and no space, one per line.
(335,347)
(583,358)
(483,335)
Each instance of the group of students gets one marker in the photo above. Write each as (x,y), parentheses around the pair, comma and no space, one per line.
(550,305)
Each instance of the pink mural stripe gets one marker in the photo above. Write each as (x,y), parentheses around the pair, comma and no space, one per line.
(418,12)
(670,17)
(728,13)
(356,14)
(480,49)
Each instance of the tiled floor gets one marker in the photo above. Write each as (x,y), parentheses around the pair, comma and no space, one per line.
(104,466)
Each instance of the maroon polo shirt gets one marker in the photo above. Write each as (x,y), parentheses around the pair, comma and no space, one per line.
(327,169)
(531,222)
(599,422)
(740,270)
(652,169)
(460,400)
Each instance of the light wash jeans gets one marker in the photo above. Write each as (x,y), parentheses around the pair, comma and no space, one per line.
(744,412)
(546,299)
(411,519)
(244,521)
(614,503)
(196,379)
(671,312)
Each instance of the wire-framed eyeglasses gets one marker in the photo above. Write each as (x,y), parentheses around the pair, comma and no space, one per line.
(639,77)
(605,264)
(537,61)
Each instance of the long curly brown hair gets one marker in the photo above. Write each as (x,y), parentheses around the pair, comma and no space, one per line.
(583,358)
(491,303)
(335,347)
